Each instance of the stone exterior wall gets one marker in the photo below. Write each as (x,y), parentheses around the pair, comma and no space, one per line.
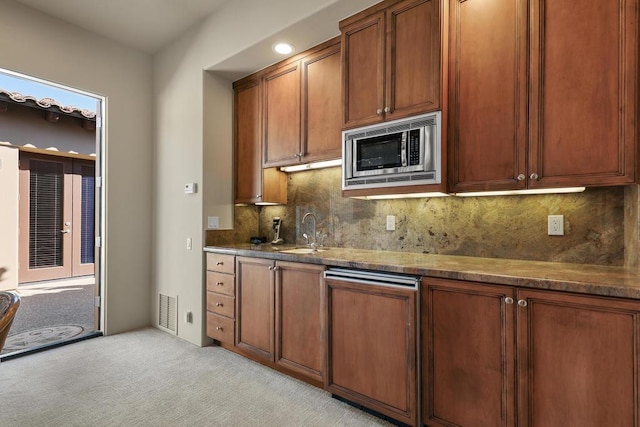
(513,227)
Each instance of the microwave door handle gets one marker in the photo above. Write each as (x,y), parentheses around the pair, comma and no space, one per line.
(427,145)
(403,149)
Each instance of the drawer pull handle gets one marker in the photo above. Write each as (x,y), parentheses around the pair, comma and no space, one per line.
(219,263)
(219,328)
(218,304)
(220,284)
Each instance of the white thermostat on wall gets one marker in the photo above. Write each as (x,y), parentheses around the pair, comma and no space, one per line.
(190,188)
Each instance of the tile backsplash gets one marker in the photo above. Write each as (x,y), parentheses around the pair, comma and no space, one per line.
(513,227)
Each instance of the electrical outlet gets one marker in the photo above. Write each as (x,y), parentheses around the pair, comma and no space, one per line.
(555,225)
(391,222)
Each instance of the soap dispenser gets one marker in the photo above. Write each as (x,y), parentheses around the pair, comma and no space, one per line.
(277,222)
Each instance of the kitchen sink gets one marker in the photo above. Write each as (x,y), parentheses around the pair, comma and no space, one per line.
(301,251)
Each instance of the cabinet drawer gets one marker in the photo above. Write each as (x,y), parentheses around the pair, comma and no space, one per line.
(221,263)
(221,304)
(221,283)
(220,328)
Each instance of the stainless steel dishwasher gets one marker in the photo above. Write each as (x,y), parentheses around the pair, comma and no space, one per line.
(372,341)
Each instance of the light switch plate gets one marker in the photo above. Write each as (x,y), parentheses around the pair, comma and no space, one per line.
(391,222)
(213,222)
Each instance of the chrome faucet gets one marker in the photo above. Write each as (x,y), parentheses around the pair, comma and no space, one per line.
(313,244)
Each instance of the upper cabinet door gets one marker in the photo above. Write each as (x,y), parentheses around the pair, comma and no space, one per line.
(321,105)
(248,140)
(363,71)
(391,61)
(412,84)
(487,95)
(282,115)
(584,75)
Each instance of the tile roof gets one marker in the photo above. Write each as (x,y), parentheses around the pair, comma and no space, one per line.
(45,104)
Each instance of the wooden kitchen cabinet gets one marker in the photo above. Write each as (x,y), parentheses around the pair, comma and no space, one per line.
(252,183)
(371,347)
(578,360)
(302,108)
(569,359)
(488,95)
(279,314)
(282,115)
(391,61)
(220,314)
(299,318)
(255,285)
(468,358)
(549,102)
(584,97)
(321,120)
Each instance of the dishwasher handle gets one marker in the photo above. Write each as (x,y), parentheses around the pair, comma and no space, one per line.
(373,278)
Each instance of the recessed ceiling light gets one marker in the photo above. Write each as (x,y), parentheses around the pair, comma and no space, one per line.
(283,48)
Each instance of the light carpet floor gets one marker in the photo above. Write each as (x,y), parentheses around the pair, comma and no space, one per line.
(150,378)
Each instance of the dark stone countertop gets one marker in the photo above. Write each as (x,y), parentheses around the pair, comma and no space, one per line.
(579,278)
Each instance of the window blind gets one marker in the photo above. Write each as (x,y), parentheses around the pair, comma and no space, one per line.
(46,188)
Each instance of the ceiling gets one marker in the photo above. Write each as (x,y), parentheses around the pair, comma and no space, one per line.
(131,23)
(146,25)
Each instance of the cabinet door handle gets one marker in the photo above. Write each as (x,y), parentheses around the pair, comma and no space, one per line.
(522,303)
(508,300)
(387,109)
(219,328)
(258,196)
(218,304)
(534,176)
(379,111)
(521,177)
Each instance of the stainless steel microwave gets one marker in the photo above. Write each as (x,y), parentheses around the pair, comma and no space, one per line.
(393,154)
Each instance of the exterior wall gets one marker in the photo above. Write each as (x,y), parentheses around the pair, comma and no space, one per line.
(21,125)
(53,50)
(9,217)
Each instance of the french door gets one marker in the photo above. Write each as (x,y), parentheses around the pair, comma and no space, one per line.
(57,217)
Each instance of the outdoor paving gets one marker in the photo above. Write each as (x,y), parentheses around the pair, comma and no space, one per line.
(52,310)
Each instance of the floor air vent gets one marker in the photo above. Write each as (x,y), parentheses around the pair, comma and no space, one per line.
(168,314)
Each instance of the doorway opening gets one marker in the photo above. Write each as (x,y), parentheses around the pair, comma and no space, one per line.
(51,145)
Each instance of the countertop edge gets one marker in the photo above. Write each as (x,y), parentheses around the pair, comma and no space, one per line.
(605,281)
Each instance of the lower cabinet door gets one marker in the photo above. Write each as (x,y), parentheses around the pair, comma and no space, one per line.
(578,360)
(299,318)
(371,347)
(255,306)
(468,354)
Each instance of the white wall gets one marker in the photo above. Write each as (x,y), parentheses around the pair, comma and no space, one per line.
(41,46)
(192,146)
(9,185)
